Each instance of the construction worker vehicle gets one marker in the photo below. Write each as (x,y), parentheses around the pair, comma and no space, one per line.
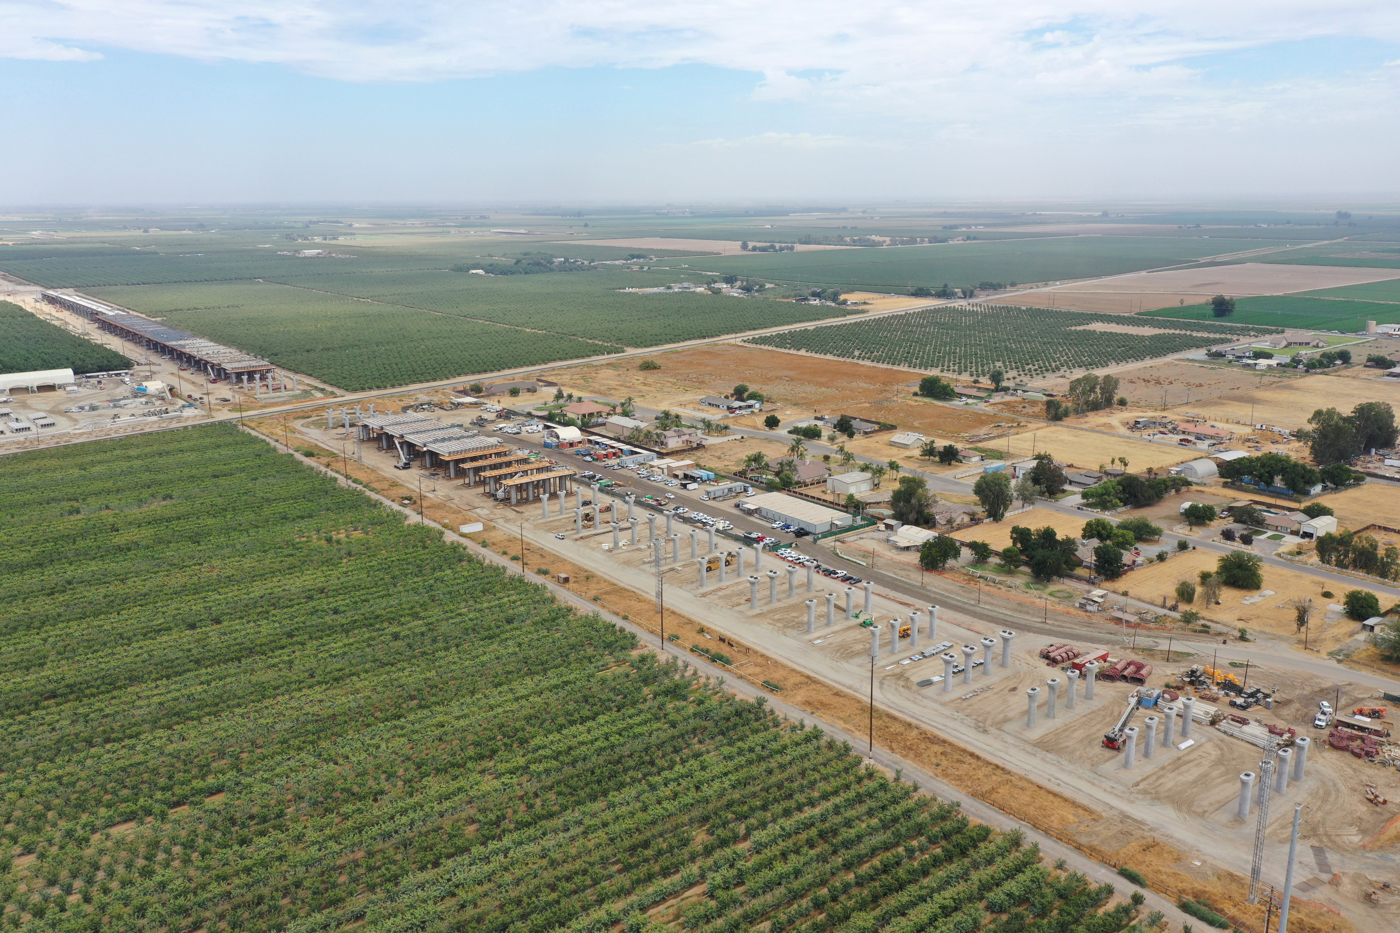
(1370,712)
(1114,737)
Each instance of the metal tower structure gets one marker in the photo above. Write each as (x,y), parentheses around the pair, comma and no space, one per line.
(1266,786)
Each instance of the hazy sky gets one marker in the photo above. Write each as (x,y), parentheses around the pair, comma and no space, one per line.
(124,101)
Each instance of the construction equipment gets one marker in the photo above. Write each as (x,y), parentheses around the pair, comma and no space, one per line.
(1370,712)
(1373,796)
(904,631)
(1114,737)
(712,562)
(1101,659)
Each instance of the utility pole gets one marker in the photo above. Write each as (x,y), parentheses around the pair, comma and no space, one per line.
(522,530)
(420,512)
(1288,875)
(1169,649)
(871,748)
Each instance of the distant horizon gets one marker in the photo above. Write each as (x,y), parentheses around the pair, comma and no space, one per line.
(1089,207)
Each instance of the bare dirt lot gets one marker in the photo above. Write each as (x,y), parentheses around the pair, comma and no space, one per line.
(722,247)
(1273,613)
(1289,404)
(876,301)
(1371,504)
(998,534)
(1091,450)
(800,385)
(1146,291)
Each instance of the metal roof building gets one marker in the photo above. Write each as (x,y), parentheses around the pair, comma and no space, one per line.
(777,507)
(36,380)
(1199,469)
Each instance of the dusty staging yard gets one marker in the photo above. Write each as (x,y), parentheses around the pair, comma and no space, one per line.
(1147,291)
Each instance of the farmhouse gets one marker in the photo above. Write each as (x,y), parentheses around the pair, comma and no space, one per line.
(977,392)
(679,439)
(853,483)
(1286,522)
(586,412)
(815,518)
(1085,478)
(1206,432)
(1305,340)
(859,425)
(715,401)
(804,472)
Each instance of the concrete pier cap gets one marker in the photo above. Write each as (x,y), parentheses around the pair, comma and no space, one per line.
(987,645)
(1006,636)
(950,661)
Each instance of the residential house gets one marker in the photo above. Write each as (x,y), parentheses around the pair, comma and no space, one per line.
(715,401)
(1306,340)
(586,413)
(805,472)
(908,440)
(1206,432)
(1084,478)
(977,392)
(968,455)
(1286,522)
(679,439)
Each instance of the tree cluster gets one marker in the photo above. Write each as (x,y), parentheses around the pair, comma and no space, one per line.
(1092,392)
(993,492)
(935,553)
(1046,553)
(1360,552)
(936,387)
(1133,491)
(1221,306)
(1335,438)
(912,503)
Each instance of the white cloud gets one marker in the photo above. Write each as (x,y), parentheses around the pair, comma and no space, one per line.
(1043,86)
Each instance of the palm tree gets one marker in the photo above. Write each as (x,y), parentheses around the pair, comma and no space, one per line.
(877,472)
(894,466)
(628,409)
(797,449)
(847,458)
(755,462)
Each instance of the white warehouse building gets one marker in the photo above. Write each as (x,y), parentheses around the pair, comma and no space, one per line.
(817,519)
